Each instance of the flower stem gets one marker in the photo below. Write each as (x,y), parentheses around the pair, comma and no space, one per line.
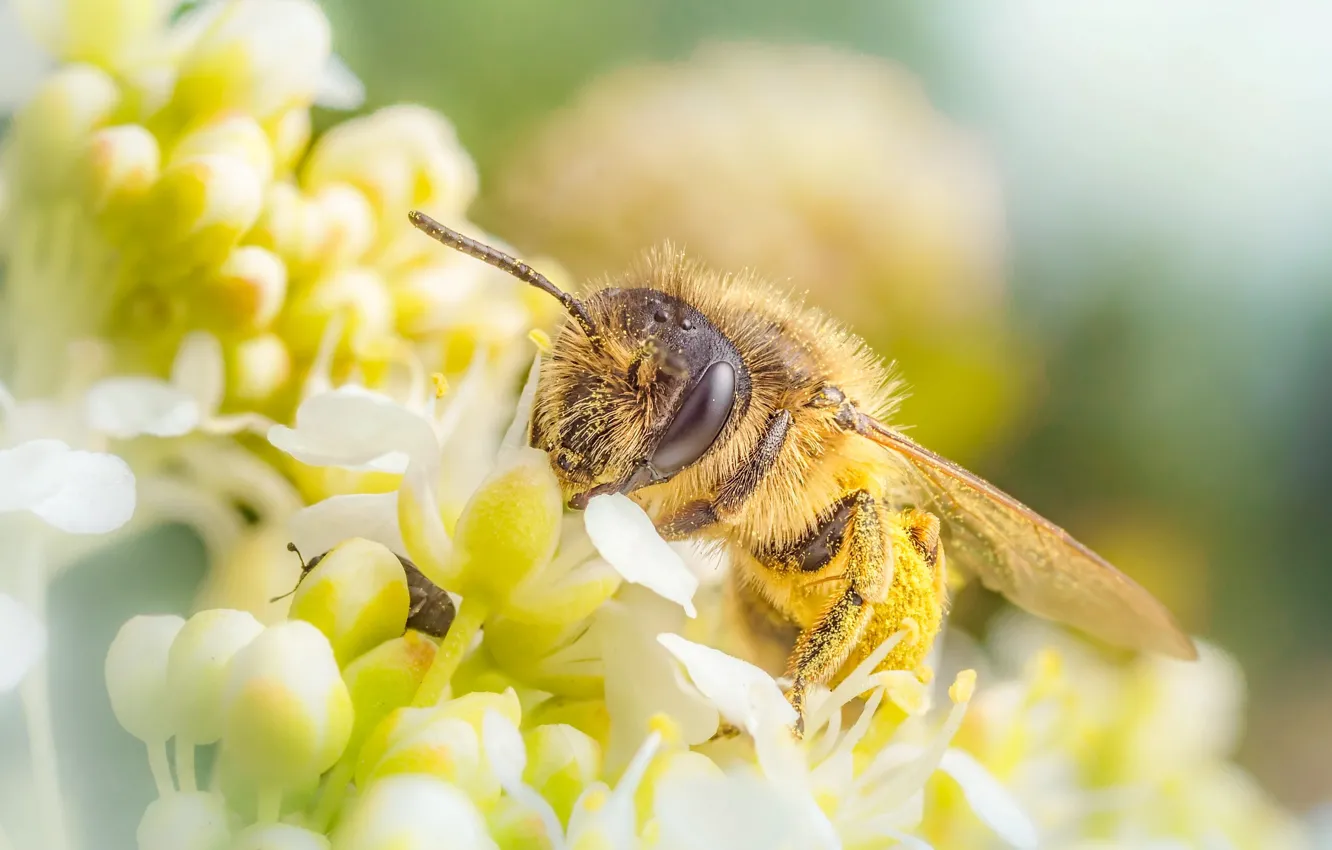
(471,614)
(35,694)
(160,764)
(333,793)
(185,773)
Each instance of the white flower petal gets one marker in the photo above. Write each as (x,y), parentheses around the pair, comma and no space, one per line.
(507,756)
(134,406)
(504,748)
(989,799)
(744,694)
(339,87)
(626,538)
(323,525)
(641,678)
(738,811)
(77,492)
(356,429)
(516,436)
(22,642)
(199,371)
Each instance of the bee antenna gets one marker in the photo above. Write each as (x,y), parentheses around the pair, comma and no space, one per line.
(505,263)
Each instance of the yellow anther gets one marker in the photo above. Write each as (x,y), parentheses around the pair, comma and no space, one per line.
(963,687)
(925,674)
(540,339)
(440,383)
(664,726)
(595,800)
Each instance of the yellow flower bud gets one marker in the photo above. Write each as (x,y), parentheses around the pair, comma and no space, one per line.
(286,712)
(357,294)
(562,761)
(247,292)
(199,209)
(400,157)
(197,669)
(52,130)
(136,676)
(347,225)
(290,226)
(238,136)
(256,56)
(413,813)
(509,528)
(427,298)
(384,679)
(290,135)
(443,740)
(185,821)
(588,716)
(123,163)
(356,595)
(432,743)
(258,367)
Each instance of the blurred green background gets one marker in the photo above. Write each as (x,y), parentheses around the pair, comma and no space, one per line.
(1166,299)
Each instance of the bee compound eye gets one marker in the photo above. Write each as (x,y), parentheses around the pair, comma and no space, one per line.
(699,420)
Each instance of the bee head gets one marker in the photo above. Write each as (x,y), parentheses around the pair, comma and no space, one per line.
(640,384)
(643,398)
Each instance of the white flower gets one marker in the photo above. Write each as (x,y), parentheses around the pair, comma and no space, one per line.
(353,428)
(75,491)
(602,817)
(828,794)
(641,678)
(126,407)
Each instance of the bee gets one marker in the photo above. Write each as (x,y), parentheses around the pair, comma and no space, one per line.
(430,609)
(735,415)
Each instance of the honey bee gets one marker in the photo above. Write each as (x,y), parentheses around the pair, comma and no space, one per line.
(735,415)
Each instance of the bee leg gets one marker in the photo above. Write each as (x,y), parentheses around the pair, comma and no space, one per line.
(736,490)
(822,648)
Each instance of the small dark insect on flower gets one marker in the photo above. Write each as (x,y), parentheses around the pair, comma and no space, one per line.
(430,608)
(732,413)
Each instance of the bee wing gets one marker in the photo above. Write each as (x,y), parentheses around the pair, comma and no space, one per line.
(1032,561)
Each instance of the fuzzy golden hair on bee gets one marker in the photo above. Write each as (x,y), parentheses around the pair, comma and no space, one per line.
(733,413)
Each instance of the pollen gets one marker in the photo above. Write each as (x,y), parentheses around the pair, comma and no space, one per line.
(440,383)
(912,629)
(963,687)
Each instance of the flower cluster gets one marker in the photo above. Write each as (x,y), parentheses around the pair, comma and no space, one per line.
(1132,755)
(176,155)
(552,713)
